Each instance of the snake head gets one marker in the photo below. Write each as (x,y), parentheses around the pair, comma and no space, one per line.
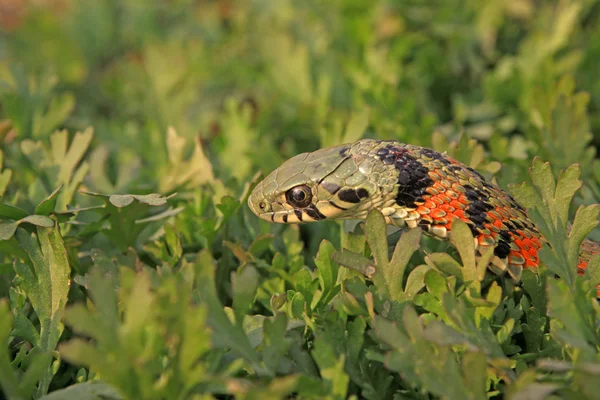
(340,182)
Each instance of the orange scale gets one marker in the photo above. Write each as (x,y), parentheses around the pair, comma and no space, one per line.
(531,243)
(447,208)
(437,200)
(533,257)
(457,204)
(423,210)
(498,223)
(437,214)
(460,214)
(430,204)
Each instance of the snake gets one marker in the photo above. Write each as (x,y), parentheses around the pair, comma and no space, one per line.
(413,187)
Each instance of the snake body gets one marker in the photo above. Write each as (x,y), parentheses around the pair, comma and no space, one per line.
(413,187)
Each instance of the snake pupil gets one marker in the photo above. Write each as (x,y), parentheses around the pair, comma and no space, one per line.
(299,196)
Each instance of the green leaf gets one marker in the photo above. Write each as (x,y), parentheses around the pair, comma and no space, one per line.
(305,284)
(193,171)
(11,212)
(47,206)
(48,288)
(327,271)
(8,379)
(8,229)
(243,285)
(394,270)
(474,371)
(356,262)
(444,263)
(548,202)
(5,175)
(573,311)
(388,275)
(126,214)
(93,390)
(331,367)
(593,271)
(275,344)
(416,280)
(224,332)
(356,126)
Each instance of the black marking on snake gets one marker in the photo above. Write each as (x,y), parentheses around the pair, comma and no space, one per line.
(344,151)
(477,209)
(383,152)
(505,235)
(331,187)
(336,206)
(362,193)
(313,212)
(285,218)
(349,196)
(413,177)
(502,249)
(298,214)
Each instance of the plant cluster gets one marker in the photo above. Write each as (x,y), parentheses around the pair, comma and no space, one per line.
(131,133)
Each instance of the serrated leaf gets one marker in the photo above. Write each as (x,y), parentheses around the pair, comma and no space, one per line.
(48,288)
(444,262)
(416,280)
(442,334)
(409,242)
(586,219)
(327,268)
(593,271)
(224,332)
(331,367)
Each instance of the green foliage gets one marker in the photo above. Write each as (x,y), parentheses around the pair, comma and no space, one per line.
(133,132)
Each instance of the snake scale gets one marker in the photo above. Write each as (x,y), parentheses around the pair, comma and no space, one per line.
(413,187)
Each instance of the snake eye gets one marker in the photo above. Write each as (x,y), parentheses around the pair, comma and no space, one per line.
(299,196)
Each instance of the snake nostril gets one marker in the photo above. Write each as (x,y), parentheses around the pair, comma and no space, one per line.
(263,206)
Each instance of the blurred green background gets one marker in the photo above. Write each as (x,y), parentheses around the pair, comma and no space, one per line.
(258,81)
(198,97)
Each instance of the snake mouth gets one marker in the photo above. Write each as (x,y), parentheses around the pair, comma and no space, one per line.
(293,216)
